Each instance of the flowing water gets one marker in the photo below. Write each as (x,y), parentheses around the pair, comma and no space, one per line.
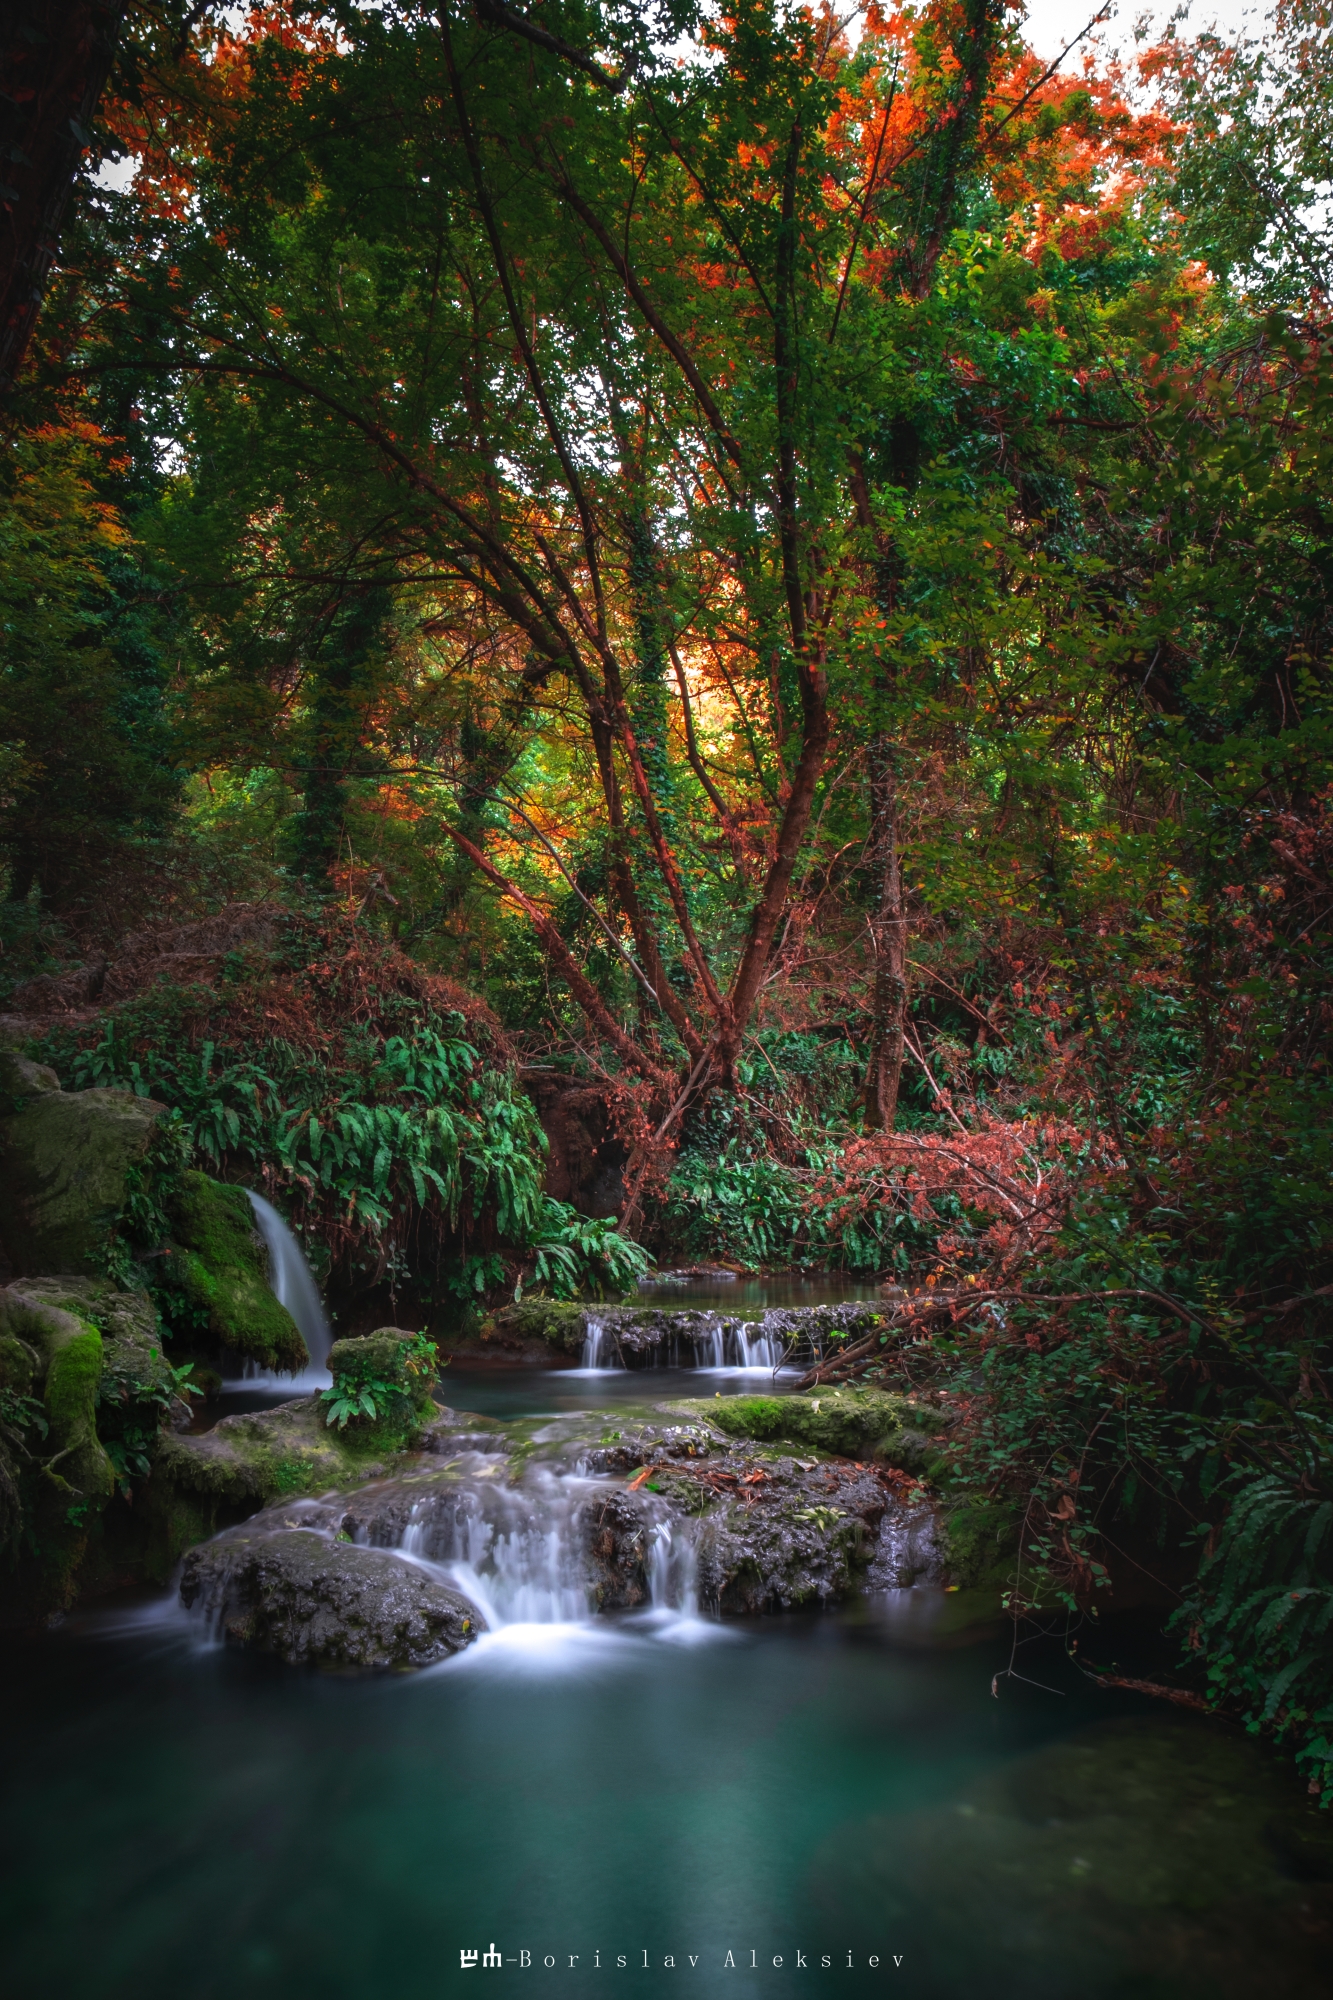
(293,1281)
(733,1344)
(861,1801)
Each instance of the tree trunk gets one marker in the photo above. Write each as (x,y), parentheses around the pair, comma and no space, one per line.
(54,63)
(888,943)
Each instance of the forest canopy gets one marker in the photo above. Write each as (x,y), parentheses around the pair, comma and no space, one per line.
(772,568)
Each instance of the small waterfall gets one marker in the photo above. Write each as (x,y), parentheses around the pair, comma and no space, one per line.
(751,1349)
(600,1349)
(673,1570)
(292,1280)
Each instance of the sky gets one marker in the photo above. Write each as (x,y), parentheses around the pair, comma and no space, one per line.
(1053,23)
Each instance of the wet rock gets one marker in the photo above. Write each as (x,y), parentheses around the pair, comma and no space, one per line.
(912,1548)
(321,1603)
(682,1334)
(773,1531)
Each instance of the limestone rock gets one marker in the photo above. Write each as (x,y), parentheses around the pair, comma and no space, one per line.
(65,1161)
(314,1601)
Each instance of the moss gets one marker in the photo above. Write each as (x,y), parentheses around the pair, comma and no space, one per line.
(981,1539)
(388,1358)
(562,1326)
(65,1162)
(246,1460)
(853,1423)
(221,1270)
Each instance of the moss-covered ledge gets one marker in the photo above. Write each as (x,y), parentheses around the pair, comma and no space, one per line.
(201,1482)
(66,1161)
(220,1267)
(853,1423)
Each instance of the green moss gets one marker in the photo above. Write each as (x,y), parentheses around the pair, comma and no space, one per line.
(222,1272)
(71,1387)
(398,1369)
(65,1162)
(558,1325)
(246,1460)
(853,1423)
(981,1537)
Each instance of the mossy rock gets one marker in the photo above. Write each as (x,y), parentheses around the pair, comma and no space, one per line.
(388,1358)
(853,1423)
(245,1461)
(981,1538)
(58,1511)
(65,1162)
(551,1320)
(222,1268)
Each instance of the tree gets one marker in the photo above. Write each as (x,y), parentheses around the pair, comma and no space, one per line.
(602,363)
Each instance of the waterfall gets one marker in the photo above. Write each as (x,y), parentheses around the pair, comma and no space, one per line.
(755,1350)
(292,1281)
(521,1555)
(599,1347)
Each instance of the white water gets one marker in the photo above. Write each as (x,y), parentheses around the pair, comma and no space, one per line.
(293,1285)
(601,1351)
(517,1553)
(731,1346)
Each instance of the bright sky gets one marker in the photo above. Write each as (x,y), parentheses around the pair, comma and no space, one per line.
(1053,23)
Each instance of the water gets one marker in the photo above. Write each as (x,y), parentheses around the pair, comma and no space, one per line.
(293,1283)
(188,1825)
(734,1344)
(181,1822)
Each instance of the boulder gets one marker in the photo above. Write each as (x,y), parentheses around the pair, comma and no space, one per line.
(66,1161)
(318,1602)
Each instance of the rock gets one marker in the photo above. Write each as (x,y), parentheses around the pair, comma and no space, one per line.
(808,1331)
(772,1531)
(856,1423)
(222,1268)
(317,1602)
(53,1487)
(246,1460)
(65,1163)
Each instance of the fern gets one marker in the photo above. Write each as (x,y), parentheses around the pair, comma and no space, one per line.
(1262,1615)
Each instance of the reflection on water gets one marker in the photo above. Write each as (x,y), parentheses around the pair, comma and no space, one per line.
(186,1823)
(204,1825)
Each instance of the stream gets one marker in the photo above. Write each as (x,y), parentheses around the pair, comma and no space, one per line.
(183,1822)
(652,1800)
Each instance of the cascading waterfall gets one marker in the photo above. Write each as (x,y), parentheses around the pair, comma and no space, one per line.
(514,1552)
(292,1281)
(599,1347)
(726,1344)
(520,1554)
(754,1350)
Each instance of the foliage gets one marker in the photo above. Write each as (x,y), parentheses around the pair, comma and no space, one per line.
(131,1408)
(85,758)
(359,1392)
(584,1254)
(374,1131)
(1262,1609)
